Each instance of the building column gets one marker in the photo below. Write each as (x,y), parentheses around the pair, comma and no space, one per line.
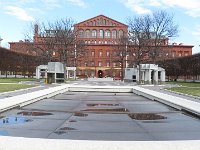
(37,73)
(155,77)
(148,76)
(75,74)
(55,78)
(137,76)
(162,76)
(45,75)
(143,76)
(67,73)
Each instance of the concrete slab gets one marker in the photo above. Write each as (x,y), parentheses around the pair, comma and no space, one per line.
(144,108)
(103,117)
(36,124)
(93,136)
(104,126)
(29,133)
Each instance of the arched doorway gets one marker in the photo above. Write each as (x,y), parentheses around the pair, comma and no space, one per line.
(100,74)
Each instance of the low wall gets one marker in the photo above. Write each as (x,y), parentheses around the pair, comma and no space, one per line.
(100,79)
(173,101)
(20,143)
(25,99)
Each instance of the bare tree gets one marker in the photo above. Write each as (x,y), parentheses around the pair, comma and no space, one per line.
(162,29)
(57,41)
(139,38)
(120,53)
(148,34)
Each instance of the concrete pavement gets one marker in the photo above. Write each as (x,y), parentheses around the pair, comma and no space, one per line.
(96,120)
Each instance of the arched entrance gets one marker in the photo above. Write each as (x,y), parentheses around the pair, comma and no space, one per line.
(100,74)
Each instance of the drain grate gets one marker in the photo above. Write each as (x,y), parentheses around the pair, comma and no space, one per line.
(108,110)
(93,105)
(79,114)
(60,132)
(145,116)
(72,121)
(33,113)
(67,128)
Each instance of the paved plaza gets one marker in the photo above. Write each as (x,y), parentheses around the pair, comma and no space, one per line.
(99,116)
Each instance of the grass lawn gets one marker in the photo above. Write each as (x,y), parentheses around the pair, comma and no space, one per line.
(186,88)
(12,87)
(15,80)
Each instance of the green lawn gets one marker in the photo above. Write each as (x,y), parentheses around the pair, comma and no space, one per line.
(186,88)
(12,87)
(15,80)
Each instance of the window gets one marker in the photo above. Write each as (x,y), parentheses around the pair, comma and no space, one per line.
(100,63)
(100,33)
(87,33)
(93,53)
(94,33)
(54,53)
(114,64)
(92,63)
(73,53)
(107,34)
(86,53)
(79,72)
(115,53)
(100,53)
(95,23)
(107,53)
(179,55)
(108,64)
(104,22)
(101,21)
(92,73)
(114,34)
(121,33)
(173,54)
(81,33)
(86,64)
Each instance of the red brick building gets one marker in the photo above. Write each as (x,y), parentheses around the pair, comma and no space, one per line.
(101,35)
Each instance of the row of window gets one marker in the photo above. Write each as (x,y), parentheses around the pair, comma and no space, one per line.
(108,64)
(100,42)
(101,33)
(92,73)
(100,22)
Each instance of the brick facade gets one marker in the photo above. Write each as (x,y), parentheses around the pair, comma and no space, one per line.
(101,34)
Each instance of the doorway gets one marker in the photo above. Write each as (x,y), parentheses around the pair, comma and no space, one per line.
(100,74)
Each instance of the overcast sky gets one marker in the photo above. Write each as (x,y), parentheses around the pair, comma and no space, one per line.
(17,15)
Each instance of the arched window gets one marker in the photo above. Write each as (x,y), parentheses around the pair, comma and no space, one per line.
(94,33)
(101,21)
(104,22)
(95,22)
(107,34)
(100,33)
(114,34)
(87,33)
(81,33)
(121,33)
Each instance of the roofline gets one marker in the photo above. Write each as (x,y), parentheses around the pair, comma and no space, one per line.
(101,16)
